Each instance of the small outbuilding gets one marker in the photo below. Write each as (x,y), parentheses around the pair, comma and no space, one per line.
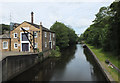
(5,42)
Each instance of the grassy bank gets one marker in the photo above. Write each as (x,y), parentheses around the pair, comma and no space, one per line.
(102,56)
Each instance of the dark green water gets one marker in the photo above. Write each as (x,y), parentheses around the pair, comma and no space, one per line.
(76,64)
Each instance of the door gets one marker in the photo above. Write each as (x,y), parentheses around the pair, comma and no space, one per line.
(49,45)
(25,46)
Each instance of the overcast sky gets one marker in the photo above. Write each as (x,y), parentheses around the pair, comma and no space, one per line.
(78,14)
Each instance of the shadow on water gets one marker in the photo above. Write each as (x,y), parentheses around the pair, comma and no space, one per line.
(95,69)
(40,72)
(44,71)
(67,56)
(75,64)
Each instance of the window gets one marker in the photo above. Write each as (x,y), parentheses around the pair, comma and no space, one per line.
(53,42)
(53,35)
(36,45)
(24,38)
(15,35)
(5,45)
(35,34)
(50,36)
(45,34)
(15,45)
(45,44)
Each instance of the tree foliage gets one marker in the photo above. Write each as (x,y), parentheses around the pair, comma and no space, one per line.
(65,35)
(4,27)
(104,31)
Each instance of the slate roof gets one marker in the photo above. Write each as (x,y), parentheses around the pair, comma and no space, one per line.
(35,25)
(4,36)
(38,26)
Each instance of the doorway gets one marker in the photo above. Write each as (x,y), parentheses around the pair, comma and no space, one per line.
(25,47)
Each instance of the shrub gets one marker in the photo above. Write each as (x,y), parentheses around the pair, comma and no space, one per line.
(55,53)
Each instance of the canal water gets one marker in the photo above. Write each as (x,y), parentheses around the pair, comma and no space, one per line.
(75,64)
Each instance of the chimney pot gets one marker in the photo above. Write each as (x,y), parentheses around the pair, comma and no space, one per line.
(40,23)
(32,17)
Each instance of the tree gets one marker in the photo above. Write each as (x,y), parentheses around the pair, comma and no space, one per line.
(4,27)
(115,27)
(104,32)
(65,35)
(72,36)
(61,34)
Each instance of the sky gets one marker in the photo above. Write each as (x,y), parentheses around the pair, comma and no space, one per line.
(77,14)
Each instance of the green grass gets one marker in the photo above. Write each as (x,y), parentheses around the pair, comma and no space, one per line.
(102,56)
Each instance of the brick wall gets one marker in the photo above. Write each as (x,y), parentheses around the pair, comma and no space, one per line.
(47,40)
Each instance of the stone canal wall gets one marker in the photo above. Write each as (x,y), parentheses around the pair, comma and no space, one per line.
(15,65)
(106,74)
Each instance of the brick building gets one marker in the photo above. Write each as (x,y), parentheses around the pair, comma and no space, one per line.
(44,39)
(5,43)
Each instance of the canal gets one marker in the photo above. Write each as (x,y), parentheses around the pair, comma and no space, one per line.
(75,64)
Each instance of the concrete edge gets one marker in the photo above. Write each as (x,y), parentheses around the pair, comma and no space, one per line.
(106,73)
(22,71)
(38,61)
(19,55)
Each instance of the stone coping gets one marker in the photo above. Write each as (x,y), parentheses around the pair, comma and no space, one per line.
(11,53)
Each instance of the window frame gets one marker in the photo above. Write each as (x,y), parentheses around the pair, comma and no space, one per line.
(22,37)
(16,34)
(45,44)
(45,34)
(53,42)
(50,35)
(36,34)
(6,45)
(53,35)
(15,46)
(36,45)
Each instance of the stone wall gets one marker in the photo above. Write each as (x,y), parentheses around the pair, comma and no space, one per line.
(105,73)
(14,65)
(18,40)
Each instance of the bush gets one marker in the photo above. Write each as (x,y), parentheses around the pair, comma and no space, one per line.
(40,54)
(55,53)
(37,49)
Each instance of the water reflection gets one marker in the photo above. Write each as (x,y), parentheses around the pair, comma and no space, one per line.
(75,64)
(39,72)
(95,69)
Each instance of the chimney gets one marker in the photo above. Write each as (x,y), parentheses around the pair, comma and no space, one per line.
(32,17)
(40,23)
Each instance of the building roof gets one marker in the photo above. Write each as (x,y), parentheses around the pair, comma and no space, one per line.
(38,26)
(35,25)
(4,36)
